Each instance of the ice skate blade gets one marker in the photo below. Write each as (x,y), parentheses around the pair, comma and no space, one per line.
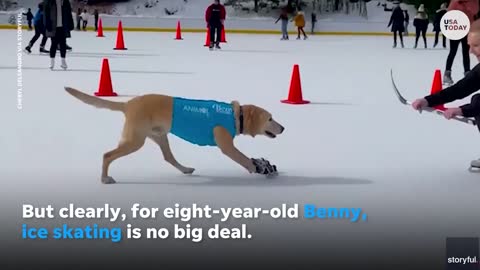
(474,169)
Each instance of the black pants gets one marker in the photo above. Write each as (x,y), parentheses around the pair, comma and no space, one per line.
(444,39)
(85,25)
(395,37)
(38,32)
(423,32)
(96,24)
(59,40)
(215,29)
(453,52)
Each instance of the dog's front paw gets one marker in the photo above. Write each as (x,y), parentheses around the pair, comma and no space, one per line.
(108,180)
(188,170)
(263,166)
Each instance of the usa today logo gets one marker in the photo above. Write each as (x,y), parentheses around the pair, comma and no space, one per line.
(455,25)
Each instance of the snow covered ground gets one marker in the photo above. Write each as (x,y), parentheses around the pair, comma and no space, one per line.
(353,146)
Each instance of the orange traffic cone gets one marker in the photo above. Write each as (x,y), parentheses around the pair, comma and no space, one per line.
(437,87)
(105,88)
(120,43)
(207,41)
(222,36)
(100,28)
(179,32)
(295,93)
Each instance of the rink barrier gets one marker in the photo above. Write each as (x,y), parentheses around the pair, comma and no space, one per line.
(229,31)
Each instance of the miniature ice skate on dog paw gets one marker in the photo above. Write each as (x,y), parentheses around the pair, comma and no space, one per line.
(263,166)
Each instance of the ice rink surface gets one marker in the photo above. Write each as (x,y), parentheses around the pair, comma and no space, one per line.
(355,145)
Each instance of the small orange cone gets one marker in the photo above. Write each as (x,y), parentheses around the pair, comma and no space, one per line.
(120,43)
(295,93)
(179,32)
(222,36)
(100,28)
(207,41)
(105,88)
(437,87)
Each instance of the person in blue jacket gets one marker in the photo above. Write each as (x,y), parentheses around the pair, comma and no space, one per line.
(39,30)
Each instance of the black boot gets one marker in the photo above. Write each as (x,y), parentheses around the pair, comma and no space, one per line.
(28,49)
(42,50)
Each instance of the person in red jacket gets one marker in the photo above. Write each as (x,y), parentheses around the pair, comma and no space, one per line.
(215,17)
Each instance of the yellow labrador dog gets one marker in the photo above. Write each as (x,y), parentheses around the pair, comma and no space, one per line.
(202,122)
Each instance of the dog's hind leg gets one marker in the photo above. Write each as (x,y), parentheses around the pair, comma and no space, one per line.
(225,142)
(162,141)
(128,145)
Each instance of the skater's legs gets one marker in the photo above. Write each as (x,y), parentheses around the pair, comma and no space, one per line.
(466,56)
(424,36)
(303,32)
(34,38)
(417,36)
(44,41)
(212,34)
(62,41)
(53,47)
(436,38)
(451,55)
(219,34)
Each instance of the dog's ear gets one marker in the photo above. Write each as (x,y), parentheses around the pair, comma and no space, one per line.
(251,122)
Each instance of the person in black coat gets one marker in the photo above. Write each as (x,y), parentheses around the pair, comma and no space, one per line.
(462,89)
(436,24)
(397,22)
(29,15)
(58,21)
(95,15)
(421,25)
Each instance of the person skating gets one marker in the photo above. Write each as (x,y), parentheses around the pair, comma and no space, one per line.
(407,22)
(95,16)
(463,88)
(397,22)
(299,20)
(314,21)
(421,25)
(58,21)
(215,17)
(284,18)
(470,8)
(84,16)
(39,31)
(29,15)
(79,19)
(436,25)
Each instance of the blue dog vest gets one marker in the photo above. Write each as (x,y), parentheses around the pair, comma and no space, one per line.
(194,120)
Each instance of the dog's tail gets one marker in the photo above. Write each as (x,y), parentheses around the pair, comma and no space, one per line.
(95,101)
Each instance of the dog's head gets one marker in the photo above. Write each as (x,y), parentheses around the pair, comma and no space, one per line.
(258,121)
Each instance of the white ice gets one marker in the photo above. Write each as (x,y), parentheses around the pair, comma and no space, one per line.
(355,145)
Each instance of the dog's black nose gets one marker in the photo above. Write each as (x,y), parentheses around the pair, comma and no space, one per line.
(282,129)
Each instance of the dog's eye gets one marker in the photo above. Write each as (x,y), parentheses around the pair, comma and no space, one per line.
(270,119)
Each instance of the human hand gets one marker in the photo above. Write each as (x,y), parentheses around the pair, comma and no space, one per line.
(419,104)
(452,113)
